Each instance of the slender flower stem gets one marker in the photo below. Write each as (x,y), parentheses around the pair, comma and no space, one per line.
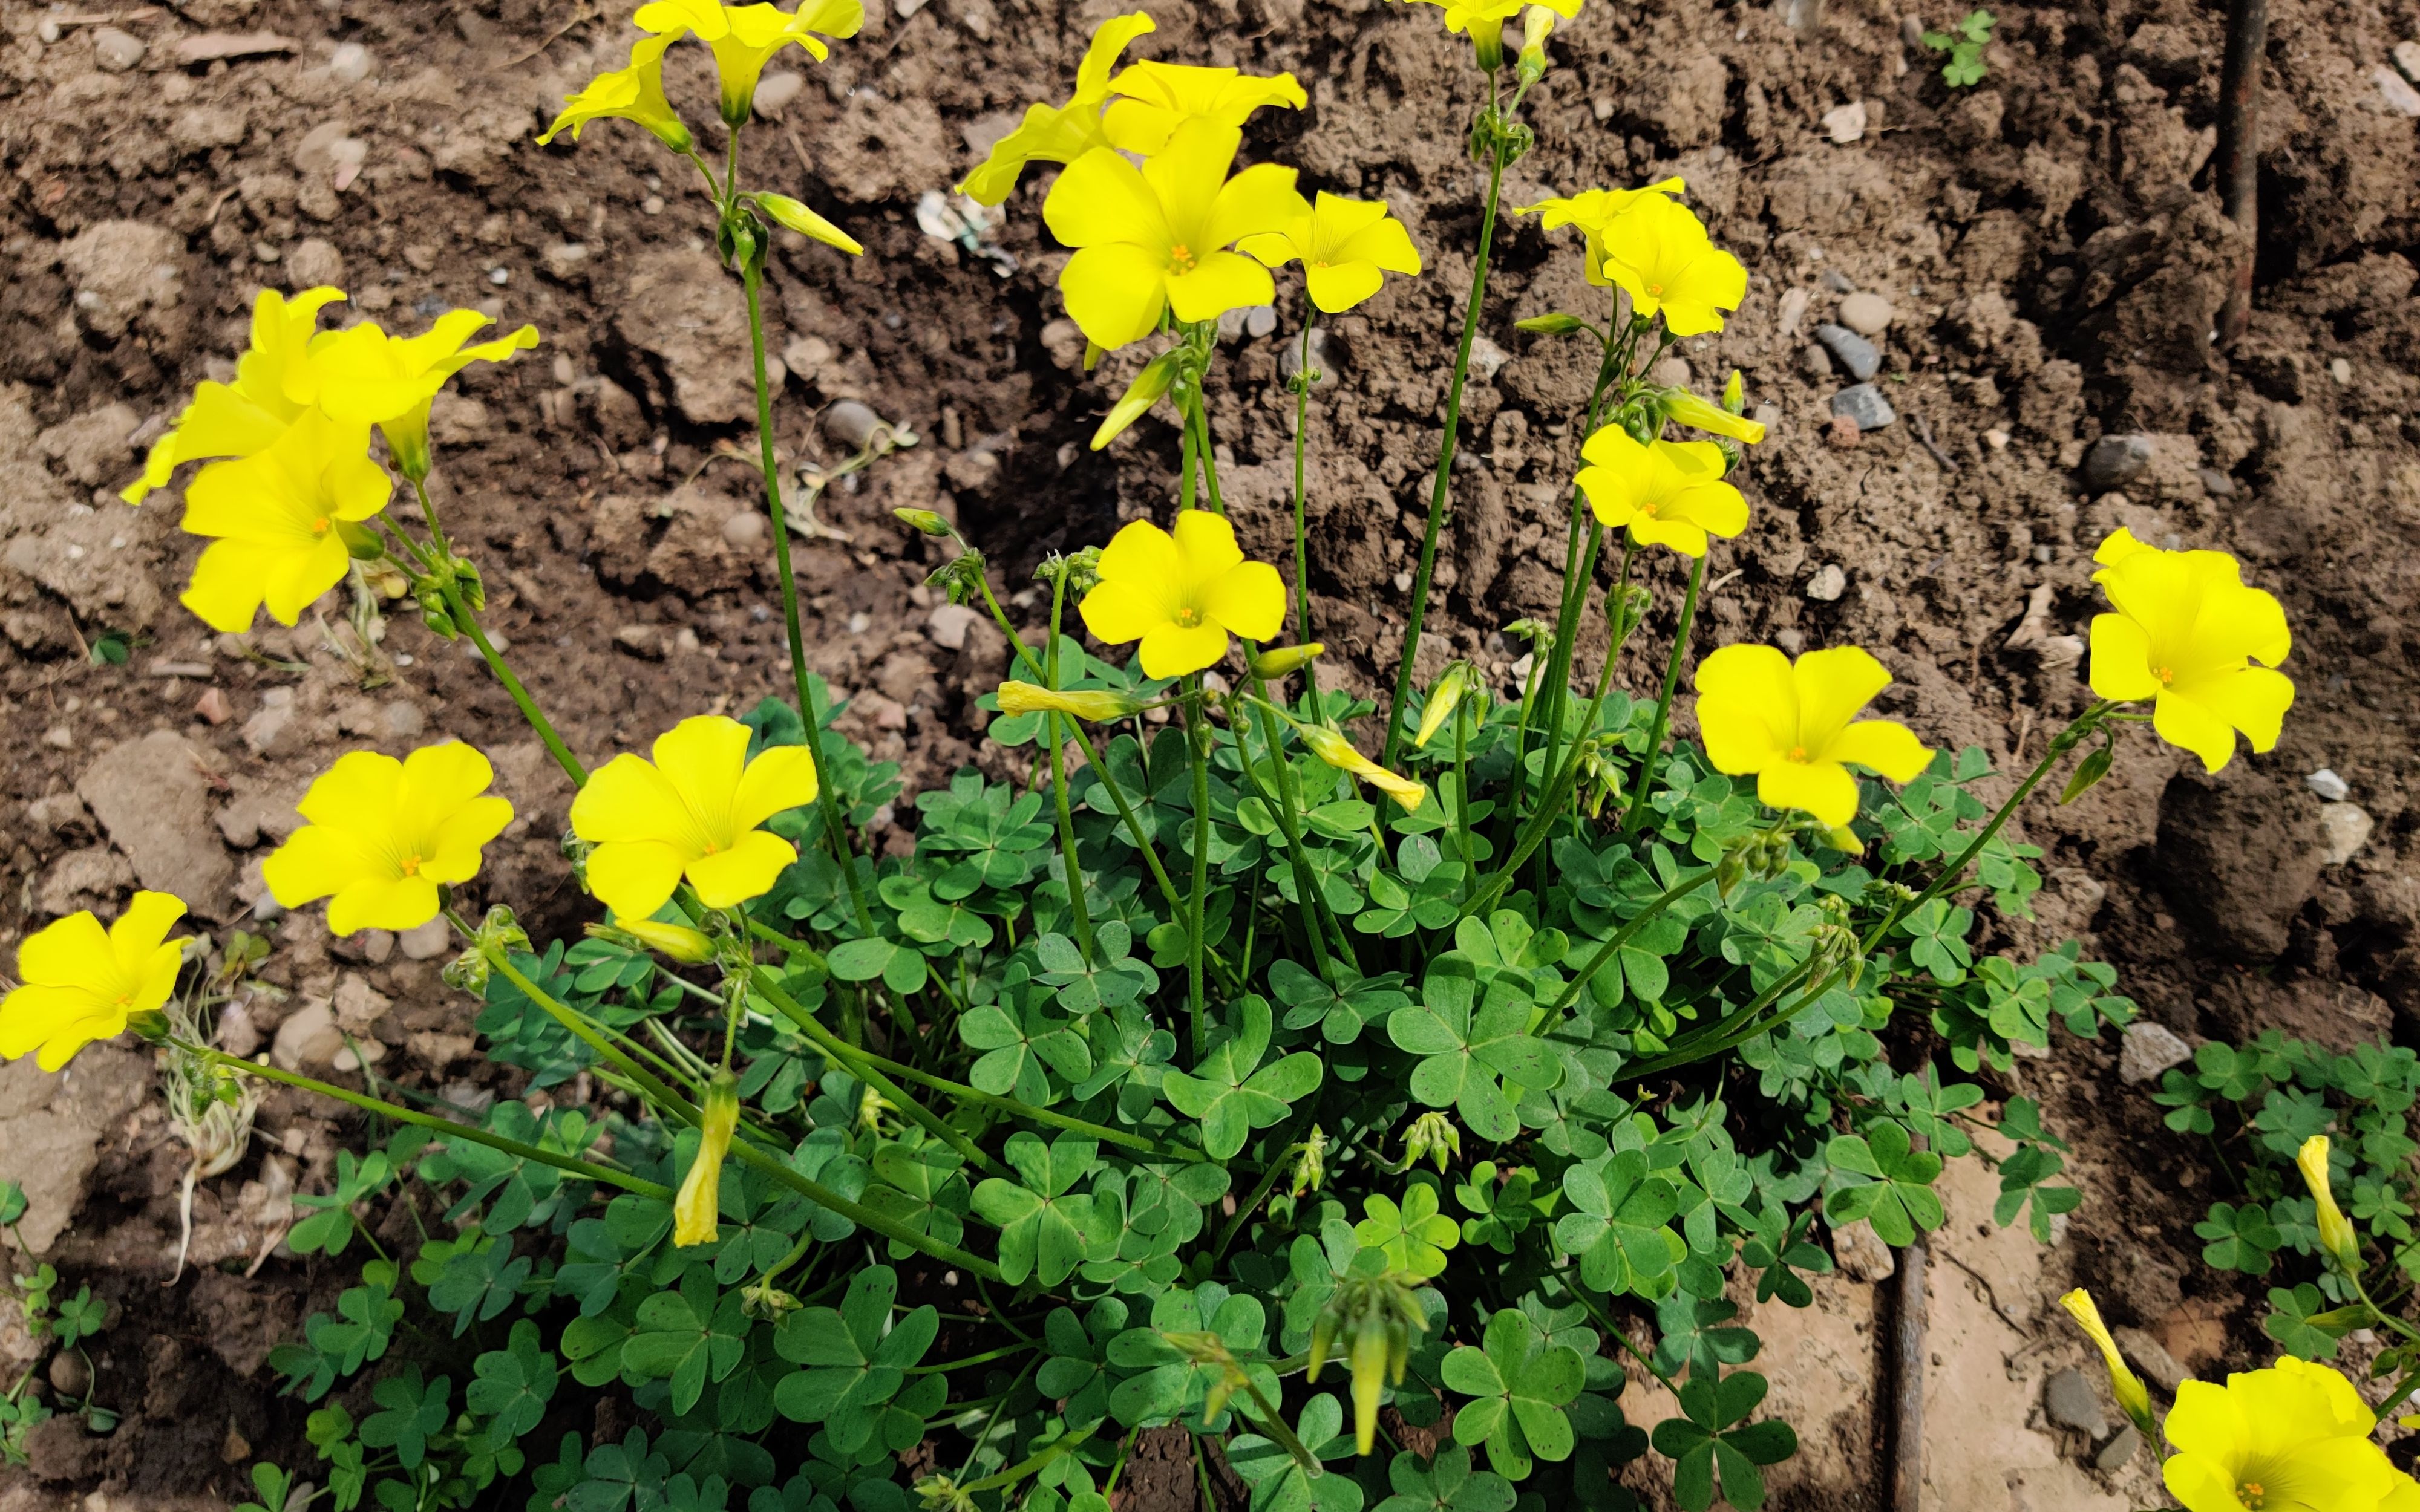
(860,1064)
(1441,487)
(1042,1116)
(1308,903)
(1052,731)
(1558,792)
(1688,884)
(1647,763)
(429,1121)
(858,1214)
(1302,380)
(1188,452)
(1462,791)
(1197,741)
(1577,571)
(1205,451)
(1252,1204)
(1071,1440)
(752,277)
(651,1085)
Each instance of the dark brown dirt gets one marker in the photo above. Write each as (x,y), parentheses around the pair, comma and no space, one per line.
(2049,242)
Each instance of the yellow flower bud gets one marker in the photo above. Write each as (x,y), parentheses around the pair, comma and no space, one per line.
(1682,408)
(678,942)
(925,520)
(1369,1355)
(1537,24)
(2127,1387)
(696,1211)
(1285,661)
(1443,700)
(785,211)
(1145,390)
(2336,1234)
(1735,392)
(1095,703)
(1338,752)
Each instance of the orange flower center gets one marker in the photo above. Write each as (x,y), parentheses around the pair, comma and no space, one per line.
(1180,258)
(319,526)
(1648,507)
(1797,753)
(1321,263)
(411,865)
(1189,617)
(2166,675)
(1655,290)
(2252,1494)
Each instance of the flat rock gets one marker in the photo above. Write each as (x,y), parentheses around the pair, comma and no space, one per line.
(2327,786)
(1864,404)
(1867,314)
(2407,57)
(682,310)
(2343,829)
(2071,1402)
(1828,583)
(2116,461)
(1861,1253)
(2146,1049)
(1854,352)
(308,1040)
(2397,92)
(151,797)
(2119,1450)
(2149,1356)
(428,941)
(50,1127)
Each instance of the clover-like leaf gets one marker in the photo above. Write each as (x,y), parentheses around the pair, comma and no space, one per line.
(1466,1043)
(1519,1384)
(1044,1231)
(1414,1233)
(856,1360)
(1445,1484)
(1617,1227)
(1714,1439)
(1231,1092)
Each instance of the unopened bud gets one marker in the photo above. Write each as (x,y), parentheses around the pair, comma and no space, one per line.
(1146,390)
(924,521)
(1684,407)
(676,942)
(2336,1234)
(1285,661)
(786,212)
(1558,324)
(1094,703)
(697,1209)
(1443,700)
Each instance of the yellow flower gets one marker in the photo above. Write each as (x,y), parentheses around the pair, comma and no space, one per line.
(2294,1438)
(1059,134)
(1537,24)
(634,92)
(692,812)
(1338,752)
(1483,19)
(2126,1386)
(2336,1234)
(1154,239)
(1086,703)
(1662,257)
(385,834)
(745,38)
(364,376)
(1791,725)
(276,517)
(1345,246)
(1592,210)
(1157,98)
(1682,408)
(242,418)
(83,983)
(1182,595)
(697,1208)
(1669,493)
(2185,635)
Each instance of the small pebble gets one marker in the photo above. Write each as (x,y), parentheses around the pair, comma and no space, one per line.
(213,707)
(2070,1400)
(777,89)
(2344,828)
(1260,320)
(1838,281)
(652,205)
(378,946)
(349,63)
(1854,352)
(70,1374)
(2119,1450)
(850,424)
(2327,786)
(2116,461)
(2147,1048)
(1865,405)
(1841,432)
(2341,371)
(744,529)
(2217,483)
(2407,57)
(1867,314)
(115,50)
(266,251)
(1402,582)
(500,276)
(1828,583)
(2401,97)
(1911,31)
(1815,361)
(425,943)
(859,623)
(1997,439)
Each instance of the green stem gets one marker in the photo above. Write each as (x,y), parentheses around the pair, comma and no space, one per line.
(652,1086)
(1274,1424)
(1596,963)
(1053,727)
(1197,734)
(1441,487)
(1308,903)
(1251,1205)
(1302,379)
(1072,1438)
(1577,572)
(985,1358)
(865,1217)
(1187,457)
(860,1064)
(1462,791)
(1663,700)
(752,277)
(1042,1116)
(429,1121)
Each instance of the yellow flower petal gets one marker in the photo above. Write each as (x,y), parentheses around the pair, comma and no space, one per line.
(693,809)
(1249,599)
(634,878)
(1823,789)
(384,834)
(82,983)
(746,869)
(1172,650)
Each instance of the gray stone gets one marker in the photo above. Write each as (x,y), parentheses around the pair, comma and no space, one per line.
(151,797)
(2401,97)
(2217,483)
(425,943)
(2149,1356)
(1861,1253)
(2146,1049)
(2407,57)
(2116,461)
(1865,405)
(1838,281)
(1855,353)
(850,424)
(2343,829)
(51,1126)
(2327,786)
(1867,314)
(2071,1402)
(2119,1450)
(949,624)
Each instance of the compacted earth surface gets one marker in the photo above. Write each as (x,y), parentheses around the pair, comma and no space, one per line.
(2028,268)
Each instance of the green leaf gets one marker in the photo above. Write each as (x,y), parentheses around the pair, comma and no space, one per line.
(1229,1095)
(1519,1384)
(512,1385)
(1466,1053)
(1044,1231)
(2239,1239)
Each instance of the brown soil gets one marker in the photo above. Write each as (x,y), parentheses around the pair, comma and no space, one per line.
(2048,240)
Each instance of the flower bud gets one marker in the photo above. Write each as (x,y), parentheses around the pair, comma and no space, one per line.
(2127,1387)
(678,942)
(1338,752)
(785,211)
(2336,1234)
(1310,1167)
(1735,392)
(697,1209)
(1377,1316)
(1537,24)
(1156,377)
(1556,324)
(1285,661)
(1432,1135)
(1094,703)
(1443,700)
(925,520)
(1682,408)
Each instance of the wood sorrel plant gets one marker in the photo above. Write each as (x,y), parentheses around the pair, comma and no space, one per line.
(1102,1111)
